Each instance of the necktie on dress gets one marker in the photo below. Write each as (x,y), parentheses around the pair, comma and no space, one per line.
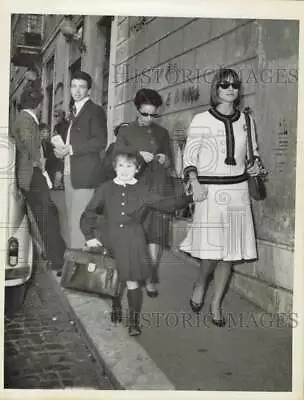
(230,141)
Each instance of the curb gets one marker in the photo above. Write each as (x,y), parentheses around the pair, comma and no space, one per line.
(124,360)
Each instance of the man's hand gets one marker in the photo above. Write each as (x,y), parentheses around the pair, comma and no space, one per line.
(147,156)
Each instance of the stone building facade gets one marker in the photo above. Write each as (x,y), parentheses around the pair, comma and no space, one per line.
(177,57)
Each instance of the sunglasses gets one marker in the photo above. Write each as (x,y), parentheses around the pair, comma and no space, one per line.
(149,115)
(227,84)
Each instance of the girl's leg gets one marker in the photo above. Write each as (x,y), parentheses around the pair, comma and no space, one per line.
(116,313)
(155,252)
(201,283)
(221,279)
(135,300)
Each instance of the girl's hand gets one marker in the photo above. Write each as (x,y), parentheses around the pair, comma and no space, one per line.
(57,179)
(147,156)
(93,243)
(62,151)
(254,170)
(200,192)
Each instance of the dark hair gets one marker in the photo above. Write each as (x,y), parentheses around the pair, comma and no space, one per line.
(129,155)
(42,126)
(221,75)
(147,96)
(117,128)
(30,98)
(83,76)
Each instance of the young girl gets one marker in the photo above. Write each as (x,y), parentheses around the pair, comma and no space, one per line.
(123,203)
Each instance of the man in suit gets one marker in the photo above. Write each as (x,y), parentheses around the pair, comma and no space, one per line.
(86,138)
(29,174)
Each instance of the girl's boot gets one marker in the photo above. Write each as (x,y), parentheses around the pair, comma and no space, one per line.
(116,313)
(135,304)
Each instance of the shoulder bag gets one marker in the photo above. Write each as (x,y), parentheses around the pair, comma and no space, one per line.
(256,184)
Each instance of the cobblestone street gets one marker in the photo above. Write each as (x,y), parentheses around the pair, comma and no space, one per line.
(43,346)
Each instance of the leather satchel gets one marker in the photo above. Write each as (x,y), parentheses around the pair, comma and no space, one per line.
(256,184)
(90,270)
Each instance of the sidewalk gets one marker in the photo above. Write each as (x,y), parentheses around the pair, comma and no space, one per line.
(179,351)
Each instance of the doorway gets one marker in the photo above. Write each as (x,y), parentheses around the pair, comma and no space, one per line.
(49,91)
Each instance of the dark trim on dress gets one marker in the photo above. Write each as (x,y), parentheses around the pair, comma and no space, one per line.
(230,142)
(222,180)
(187,170)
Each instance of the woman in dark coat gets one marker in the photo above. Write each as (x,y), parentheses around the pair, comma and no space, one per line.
(153,143)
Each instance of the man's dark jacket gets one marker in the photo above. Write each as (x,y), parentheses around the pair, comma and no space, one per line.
(88,137)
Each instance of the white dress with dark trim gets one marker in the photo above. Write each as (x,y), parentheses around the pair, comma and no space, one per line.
(222,227)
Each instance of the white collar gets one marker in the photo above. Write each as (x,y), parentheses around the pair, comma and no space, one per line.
(81,103)
(122,183)
(32,114)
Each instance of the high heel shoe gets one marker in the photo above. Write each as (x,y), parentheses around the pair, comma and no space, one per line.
(217,322)
(151,293)
(195,307)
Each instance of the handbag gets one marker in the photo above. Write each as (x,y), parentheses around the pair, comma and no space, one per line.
(256,184)
(90,270)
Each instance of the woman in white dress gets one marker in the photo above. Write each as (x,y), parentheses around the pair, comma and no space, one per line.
(222,231)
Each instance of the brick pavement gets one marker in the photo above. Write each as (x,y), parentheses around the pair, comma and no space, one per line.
(43,347)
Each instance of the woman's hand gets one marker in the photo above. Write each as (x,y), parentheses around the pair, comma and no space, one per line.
(200,192)
(162,159)
(93,243)
(147,156)
(254,170)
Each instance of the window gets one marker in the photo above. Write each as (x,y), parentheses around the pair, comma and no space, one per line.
(33,23)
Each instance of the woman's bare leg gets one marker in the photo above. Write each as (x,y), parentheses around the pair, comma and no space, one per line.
(221,279)
(205,273)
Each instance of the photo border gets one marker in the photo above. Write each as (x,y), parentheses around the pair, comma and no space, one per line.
(282,10)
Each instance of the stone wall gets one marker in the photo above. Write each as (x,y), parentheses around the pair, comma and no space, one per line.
(177,57)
